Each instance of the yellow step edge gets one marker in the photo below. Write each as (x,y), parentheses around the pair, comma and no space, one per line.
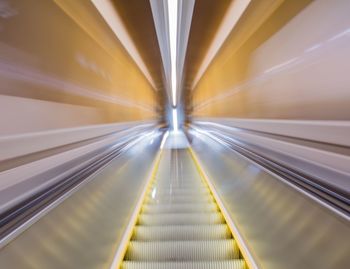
(123,246)
(250,262)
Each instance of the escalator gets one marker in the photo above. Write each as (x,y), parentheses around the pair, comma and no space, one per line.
(180,224)
(191,204)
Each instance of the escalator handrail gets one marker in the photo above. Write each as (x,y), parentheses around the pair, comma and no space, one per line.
(337,201)
(14,220)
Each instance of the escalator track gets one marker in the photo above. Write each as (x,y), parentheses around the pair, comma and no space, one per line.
(180,224)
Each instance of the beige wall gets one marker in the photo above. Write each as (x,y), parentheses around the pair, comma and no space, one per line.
(294,65)
(23,115)
(64,67)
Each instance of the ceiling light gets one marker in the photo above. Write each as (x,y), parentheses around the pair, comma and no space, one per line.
(172,17)
(175,120)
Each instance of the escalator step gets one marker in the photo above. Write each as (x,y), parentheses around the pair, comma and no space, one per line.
(181,219)
(181,185)
(181,226)
(167,189)
(180,199)
(178,191)
(181,232)
(182,250)
(179,208)
(179,196)
(228,264)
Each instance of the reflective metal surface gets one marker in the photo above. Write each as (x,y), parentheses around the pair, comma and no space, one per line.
(282,227)
(180,224)
(84,230)
(319,168)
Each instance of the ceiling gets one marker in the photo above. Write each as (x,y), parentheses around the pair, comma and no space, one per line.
(205,20)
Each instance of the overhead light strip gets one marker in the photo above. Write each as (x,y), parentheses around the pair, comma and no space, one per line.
(172,17)
(112,18)
(175,120)
(233,14)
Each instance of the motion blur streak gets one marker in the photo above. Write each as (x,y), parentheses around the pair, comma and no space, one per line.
(55,65)
(187,134)
(113,20)
(291,69)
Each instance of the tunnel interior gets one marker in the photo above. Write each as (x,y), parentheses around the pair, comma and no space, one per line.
(174,134)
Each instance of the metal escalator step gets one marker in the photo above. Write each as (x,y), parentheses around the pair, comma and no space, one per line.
(182,250)
(174,188)
(179,195)
(179,185)
(180,199)
(168,188)
(181,226)
(179,208)
(227,264)
(181,219)
(180,182)
(181,232)
(166,192)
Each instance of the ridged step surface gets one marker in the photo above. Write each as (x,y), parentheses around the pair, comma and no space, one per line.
(179,208)
(181,219)
(178,185)
(180,196)
(164,192)
(167,189)
(181,199)
(182,250)
(180,225)
(231,264)
(181,232)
